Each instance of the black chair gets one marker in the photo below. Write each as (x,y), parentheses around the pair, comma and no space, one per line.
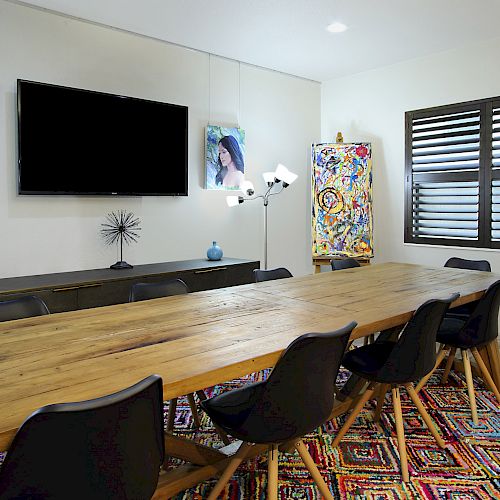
(146,291)
(478,330)
(271,274)
(295,399)
(339,264)
(473,265)
(393,363)
(25,307)
(463,311)
(106,448)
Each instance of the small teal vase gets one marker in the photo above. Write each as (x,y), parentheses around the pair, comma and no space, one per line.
(214,252)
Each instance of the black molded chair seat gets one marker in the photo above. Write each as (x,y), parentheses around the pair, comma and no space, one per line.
(271,274)
(158,289)
(390,364)
(339,264)
(25,307)
(296,398)
(449,333)
(231,409)
(106,448)
(367,363)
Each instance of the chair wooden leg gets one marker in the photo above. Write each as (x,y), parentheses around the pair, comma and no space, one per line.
(313,470)
(449,364)
(470,385)
(355,412)
(360,384)
(439,359)
(398,414)
(427,419)
(238,457)
(486,374)
(172,407)
(194,410)
(272,472)
(380,401)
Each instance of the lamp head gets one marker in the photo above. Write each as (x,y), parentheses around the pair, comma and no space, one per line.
(232,201)
(247,188)
(282,174)
(268,178)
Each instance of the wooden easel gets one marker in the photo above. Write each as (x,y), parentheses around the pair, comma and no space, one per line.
(324,260)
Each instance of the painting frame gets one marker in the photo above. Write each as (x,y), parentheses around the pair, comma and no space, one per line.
(224,158)
(342,213)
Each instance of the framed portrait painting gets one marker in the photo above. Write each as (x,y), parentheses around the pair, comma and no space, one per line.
(225,157)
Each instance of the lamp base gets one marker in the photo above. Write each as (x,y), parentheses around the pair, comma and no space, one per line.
(121,264)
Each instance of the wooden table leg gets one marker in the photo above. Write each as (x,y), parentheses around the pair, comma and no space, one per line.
(190,451)
(211,463)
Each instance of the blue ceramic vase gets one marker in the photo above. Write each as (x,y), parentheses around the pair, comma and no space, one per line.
(214,252)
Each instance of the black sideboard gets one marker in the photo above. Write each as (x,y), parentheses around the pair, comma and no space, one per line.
(102,287)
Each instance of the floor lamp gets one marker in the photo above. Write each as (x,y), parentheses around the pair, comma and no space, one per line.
(276,181)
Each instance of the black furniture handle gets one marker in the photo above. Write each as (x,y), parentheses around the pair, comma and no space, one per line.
(68,288)
(210,270)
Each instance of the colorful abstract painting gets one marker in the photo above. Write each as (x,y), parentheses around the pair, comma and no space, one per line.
(342,221)
(225,157)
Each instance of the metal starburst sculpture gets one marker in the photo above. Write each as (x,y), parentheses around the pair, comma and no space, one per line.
(120,226)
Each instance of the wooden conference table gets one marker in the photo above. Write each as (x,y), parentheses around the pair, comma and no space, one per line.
(197,340)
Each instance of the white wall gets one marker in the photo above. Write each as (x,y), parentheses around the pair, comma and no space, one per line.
(370,106)
(280,113)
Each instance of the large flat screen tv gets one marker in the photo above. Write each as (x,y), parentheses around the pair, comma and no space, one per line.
(80,142)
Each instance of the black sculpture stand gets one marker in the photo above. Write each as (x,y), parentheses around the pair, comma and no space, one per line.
(121,264)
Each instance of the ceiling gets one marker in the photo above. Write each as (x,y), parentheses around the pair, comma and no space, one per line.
(290,35)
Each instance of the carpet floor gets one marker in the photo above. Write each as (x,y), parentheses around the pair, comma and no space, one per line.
(366,463)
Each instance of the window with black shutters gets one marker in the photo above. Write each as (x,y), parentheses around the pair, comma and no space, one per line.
(452,176)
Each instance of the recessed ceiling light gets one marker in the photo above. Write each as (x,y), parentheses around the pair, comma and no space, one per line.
(336,27)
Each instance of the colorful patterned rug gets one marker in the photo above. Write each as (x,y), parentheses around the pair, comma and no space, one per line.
(366,464)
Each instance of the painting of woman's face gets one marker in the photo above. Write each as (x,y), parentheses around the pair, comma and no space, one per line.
(224,156)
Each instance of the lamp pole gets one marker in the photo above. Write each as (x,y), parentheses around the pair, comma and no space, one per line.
(282,177)
(266,202)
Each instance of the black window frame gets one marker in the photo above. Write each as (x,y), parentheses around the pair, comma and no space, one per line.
(485,175)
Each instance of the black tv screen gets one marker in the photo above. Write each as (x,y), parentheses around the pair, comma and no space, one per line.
(74,141)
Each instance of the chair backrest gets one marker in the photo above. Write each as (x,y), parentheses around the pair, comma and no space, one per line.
(25,307)
(482,325)
(271,274)
(146,291)
(110,447)
(298,395)
(338,264)
(414,354)
(475,265)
